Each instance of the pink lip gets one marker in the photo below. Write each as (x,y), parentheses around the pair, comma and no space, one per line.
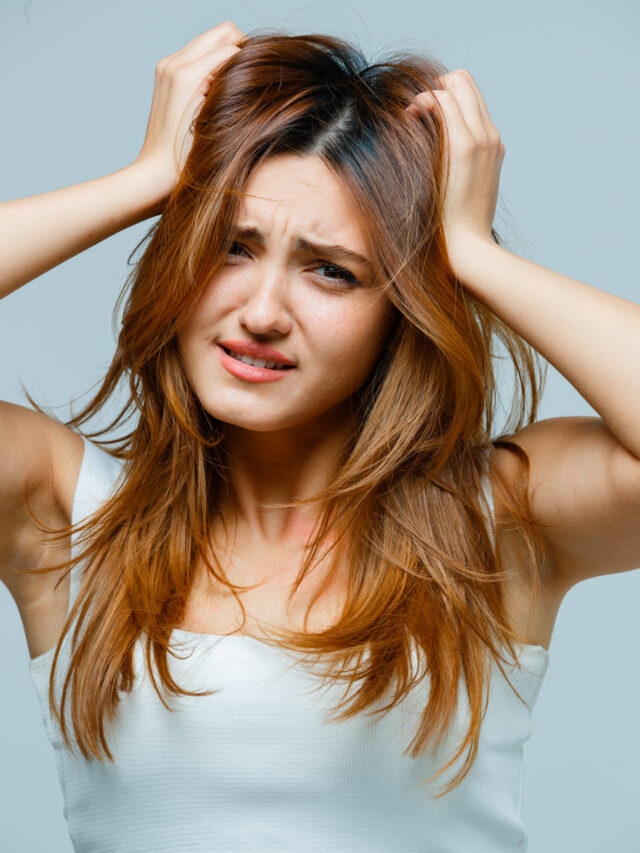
(257,351)
(250,372)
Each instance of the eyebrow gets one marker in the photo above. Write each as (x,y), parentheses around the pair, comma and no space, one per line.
(331,251)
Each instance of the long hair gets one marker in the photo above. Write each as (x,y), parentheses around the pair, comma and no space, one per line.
(404,508)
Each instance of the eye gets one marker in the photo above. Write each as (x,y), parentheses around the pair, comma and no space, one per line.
(336,273)
(341,273)
(236,245)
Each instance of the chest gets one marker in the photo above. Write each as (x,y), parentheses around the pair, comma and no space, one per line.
(213,609)
(265,591)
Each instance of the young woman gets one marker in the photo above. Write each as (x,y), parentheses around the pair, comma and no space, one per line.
(312,494)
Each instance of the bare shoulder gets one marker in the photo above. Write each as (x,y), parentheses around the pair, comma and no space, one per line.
(585,495)
(550,445)
(42,457)
(40,450)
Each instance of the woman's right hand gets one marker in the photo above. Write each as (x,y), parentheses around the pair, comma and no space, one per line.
(181,83)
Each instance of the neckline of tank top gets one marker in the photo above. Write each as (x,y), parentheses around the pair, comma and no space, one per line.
(196,638)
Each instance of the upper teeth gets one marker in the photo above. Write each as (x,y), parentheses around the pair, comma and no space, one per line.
(258,362)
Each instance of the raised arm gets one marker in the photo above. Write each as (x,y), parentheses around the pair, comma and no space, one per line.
(585,472)
(40,232)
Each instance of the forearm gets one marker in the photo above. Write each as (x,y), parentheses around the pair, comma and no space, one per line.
(592,337)
(40,232)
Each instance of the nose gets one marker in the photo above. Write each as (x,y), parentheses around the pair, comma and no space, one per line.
(265,311)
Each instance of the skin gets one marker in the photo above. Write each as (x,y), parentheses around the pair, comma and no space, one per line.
(282,436)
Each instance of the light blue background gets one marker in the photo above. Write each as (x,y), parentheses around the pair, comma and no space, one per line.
(560,80)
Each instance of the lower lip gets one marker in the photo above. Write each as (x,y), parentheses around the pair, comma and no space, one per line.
(250,372)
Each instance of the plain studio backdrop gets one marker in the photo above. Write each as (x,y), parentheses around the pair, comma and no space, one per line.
(560,80)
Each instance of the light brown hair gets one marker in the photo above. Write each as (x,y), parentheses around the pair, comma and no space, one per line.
(405,501)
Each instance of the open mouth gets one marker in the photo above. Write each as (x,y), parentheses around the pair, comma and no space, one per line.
(257,362)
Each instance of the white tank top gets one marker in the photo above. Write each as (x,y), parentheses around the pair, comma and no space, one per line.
(257,767)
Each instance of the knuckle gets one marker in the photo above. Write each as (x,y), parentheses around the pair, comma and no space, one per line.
(229,28)
(169,65)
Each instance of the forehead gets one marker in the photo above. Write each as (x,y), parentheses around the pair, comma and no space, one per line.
(303,194)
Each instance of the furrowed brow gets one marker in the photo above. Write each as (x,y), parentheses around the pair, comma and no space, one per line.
(331,251)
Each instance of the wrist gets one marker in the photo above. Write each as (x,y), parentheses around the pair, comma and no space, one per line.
(148,187)
(465,249)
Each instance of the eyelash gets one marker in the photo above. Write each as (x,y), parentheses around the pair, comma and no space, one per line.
(344,274)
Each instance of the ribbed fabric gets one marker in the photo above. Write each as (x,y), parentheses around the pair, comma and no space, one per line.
(257,766)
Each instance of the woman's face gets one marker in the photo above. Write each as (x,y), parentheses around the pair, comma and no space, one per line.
(316,307)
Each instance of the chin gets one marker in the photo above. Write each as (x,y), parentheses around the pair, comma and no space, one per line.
(254,420)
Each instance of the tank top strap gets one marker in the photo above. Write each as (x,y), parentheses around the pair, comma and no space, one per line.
(96,480)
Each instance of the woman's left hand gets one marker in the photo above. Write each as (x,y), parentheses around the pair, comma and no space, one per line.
(474,152)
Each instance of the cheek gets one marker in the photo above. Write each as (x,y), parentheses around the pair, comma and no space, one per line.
(194,347)
(197,329)
(352,340)
(209,305)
